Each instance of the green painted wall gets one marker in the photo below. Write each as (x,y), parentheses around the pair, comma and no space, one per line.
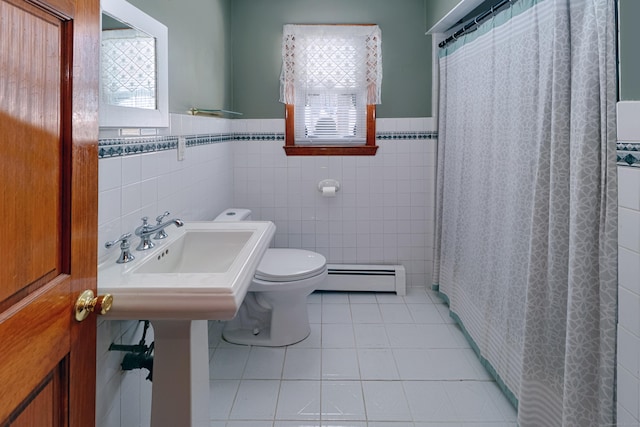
(226,53)
(199,51)
(437,9)
(629,15)
(257,35)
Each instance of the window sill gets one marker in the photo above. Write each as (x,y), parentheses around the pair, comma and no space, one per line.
(330,150)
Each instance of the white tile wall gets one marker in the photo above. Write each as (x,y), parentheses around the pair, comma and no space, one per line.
(383,212)
(130,187)
(628,389)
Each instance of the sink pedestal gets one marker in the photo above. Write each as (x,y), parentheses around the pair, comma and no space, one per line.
(180,394)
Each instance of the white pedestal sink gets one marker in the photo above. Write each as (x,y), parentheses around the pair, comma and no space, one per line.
(201,272)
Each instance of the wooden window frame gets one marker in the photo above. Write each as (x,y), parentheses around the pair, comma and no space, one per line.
(291,149)
(368,149)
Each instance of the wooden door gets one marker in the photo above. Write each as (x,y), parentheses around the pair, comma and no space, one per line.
(48,210)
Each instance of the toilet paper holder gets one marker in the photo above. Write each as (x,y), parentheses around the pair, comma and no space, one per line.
(328,186)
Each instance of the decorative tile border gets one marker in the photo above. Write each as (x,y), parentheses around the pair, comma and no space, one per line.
(628,153)
(404,135)
(114,147)
(258,136)
(195,140)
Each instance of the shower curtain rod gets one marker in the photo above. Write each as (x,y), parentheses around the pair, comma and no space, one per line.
(473,25)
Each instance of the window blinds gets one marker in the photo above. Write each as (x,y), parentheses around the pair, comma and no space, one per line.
(330,73)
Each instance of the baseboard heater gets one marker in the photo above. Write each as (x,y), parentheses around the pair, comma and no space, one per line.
(365,277)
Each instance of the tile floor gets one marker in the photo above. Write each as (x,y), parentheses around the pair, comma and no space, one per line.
(372,360)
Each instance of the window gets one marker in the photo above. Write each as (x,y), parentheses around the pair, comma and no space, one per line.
(330,82)
(129,68)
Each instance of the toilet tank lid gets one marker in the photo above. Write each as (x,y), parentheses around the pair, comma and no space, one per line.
(234,214)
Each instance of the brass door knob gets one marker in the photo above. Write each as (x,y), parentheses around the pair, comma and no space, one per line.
(87,302)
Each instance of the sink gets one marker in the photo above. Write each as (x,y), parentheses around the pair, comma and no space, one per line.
(201,271)
(198,251)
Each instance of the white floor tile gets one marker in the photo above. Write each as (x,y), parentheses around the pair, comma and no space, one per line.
(471,402)
(371,360)
(345,424)
(299,400)
(385,401)
(425,313)
(395,313)
(315,298)
(415,364)
(315,313)
(366,313)
(228,363)
(340,364)
(429,401)
(417,296)
(391,424)
(405,335)
(342,401)
(371,336)
(338,335)
(222,393)
(389,298)
(264,363)
(302,364)
(336,313)
(314,340)
(255,400)
(299,423)
(441,336)
(245,423)
(363,298)
(377,364)
(458,364)
(335,297)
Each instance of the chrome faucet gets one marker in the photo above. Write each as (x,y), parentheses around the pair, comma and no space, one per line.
(145,231)
(161,234)
(125,254)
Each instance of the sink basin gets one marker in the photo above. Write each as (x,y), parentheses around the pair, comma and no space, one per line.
(201,271)
(198,251)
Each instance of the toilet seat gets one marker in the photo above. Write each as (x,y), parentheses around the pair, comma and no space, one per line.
(289,265)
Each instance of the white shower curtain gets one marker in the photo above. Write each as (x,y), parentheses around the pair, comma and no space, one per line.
(525,246)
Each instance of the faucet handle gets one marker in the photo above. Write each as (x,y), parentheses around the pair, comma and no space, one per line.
(143,232)
(159,218)
(161,234)
(125,254)
(145,223)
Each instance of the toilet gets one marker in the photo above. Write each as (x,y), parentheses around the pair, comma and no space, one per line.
(274,311)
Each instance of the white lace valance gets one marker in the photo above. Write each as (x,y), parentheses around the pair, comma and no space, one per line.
(326,58)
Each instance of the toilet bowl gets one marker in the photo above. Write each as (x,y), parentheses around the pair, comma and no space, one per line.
(274,311)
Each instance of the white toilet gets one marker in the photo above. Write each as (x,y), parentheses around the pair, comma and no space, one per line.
(274,311)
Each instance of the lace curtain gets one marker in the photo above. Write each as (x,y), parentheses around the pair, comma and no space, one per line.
(129,68)
(331,58)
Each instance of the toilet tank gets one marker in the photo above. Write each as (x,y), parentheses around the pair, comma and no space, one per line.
(234,214)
